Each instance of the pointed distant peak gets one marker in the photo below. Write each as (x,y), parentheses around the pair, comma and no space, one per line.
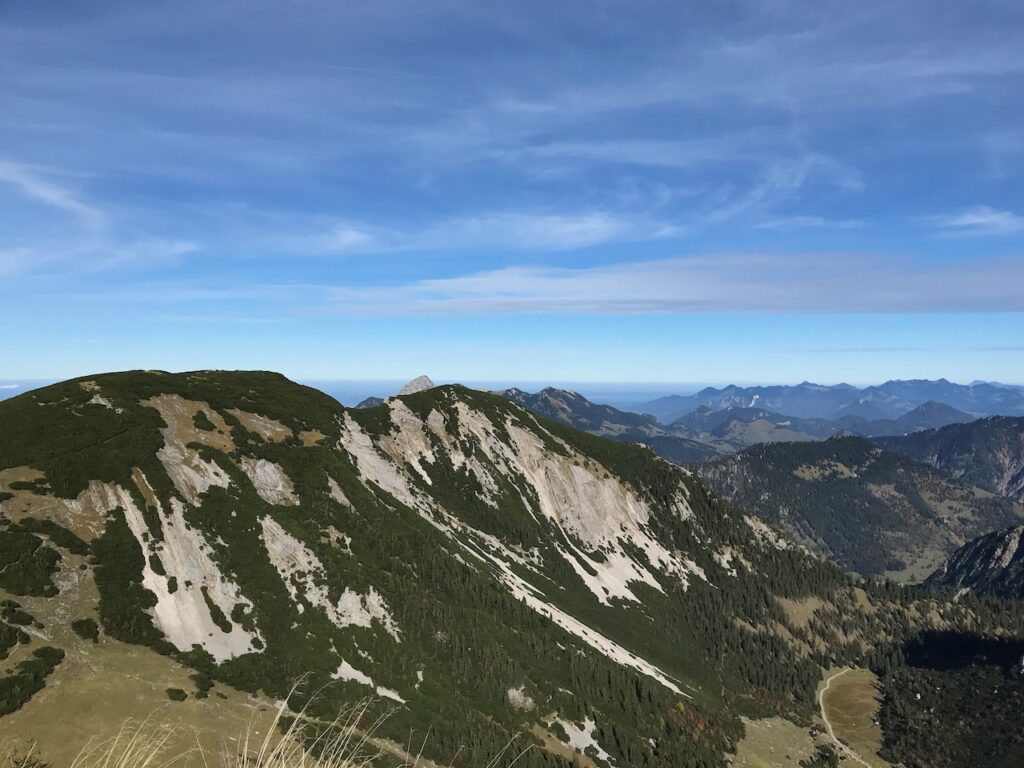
(936,407)
(418,384)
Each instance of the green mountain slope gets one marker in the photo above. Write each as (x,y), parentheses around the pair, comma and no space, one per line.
(871,511)
(495,574)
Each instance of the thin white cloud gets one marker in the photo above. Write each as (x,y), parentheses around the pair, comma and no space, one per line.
(713,283)
(9,386)
(67,256)
(809,222)
(39,189)
(148,253)
(981,220)
(504,230)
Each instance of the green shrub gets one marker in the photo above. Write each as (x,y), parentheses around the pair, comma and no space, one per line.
(824,757)
(87,629)
(13,613)
(123,599)
(26,565)
(57,533)
(203,684)
(216,613)
(202,421)
(28,678)
(9,637)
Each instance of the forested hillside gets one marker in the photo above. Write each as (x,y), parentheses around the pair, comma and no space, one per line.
(870,510)
(988,453)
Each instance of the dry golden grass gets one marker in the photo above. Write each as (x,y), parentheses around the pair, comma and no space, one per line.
(773,743)
(851,705)
(303,743)
(134,746)
(294,740)
(14,760)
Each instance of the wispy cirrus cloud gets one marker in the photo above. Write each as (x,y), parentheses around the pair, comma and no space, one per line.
(62,256)
(744,283)
(36,187)
(642,216)
(505,230)
(809,222)
(823,282)
(83,238)
(981,220)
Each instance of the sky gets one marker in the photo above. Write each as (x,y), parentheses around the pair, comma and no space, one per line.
(575,191)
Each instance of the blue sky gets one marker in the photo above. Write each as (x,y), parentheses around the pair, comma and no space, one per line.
(604,191)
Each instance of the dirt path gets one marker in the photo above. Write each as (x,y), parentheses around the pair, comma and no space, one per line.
(828,725)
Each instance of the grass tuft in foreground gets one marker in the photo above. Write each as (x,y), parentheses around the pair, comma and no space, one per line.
(292,741)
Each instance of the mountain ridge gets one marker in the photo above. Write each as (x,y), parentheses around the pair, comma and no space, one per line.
(574,410)
(889,400)
(447,550)
(705,434)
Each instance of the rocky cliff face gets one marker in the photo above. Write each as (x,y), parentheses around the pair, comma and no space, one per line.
(988,453)
(992,564)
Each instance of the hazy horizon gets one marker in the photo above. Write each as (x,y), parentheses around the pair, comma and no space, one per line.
(617,393)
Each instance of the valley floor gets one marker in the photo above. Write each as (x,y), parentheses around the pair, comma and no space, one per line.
(848,701)
(848,713)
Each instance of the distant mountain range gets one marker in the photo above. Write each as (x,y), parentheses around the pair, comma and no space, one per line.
(926,416)
(706,434)
(870,510)
(815,401)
